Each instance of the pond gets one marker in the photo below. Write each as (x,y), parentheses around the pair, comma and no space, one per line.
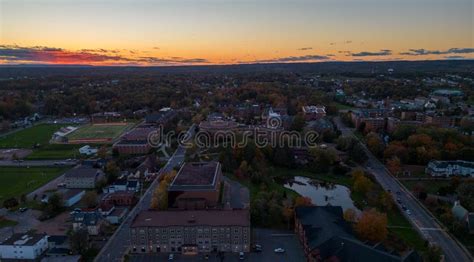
(322,193)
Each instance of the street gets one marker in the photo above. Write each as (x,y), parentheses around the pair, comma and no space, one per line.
(35,163)
(419,217)
(119,242)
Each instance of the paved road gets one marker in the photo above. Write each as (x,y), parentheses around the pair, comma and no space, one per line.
(420,217)
(118,244)
(31,163)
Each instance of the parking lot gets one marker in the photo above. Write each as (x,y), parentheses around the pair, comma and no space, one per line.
(268,238)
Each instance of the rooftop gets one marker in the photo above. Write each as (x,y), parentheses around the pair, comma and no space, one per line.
(83,171)
(192,217)
(197,176)
(23,239)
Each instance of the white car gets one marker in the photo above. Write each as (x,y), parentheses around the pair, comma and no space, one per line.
(171,257)
(408,212)
(279,250)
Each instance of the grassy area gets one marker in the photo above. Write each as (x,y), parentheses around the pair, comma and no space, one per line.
(255,189)
(99,131)
(7,223)
(17,181)
(27,138)
(55,151)
(431,186)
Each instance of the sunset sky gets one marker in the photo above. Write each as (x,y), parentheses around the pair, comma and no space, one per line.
(140,32)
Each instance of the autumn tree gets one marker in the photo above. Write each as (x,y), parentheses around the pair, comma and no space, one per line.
(90,199)
(375,144)
(350,215)
(111,171)
(386,201)
(160,195)
(79,241)
(303,201)
(394,165)
(372,226)
(102,152)
(361,183)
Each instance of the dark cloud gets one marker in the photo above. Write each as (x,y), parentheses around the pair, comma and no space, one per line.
(422,51)
(306,58)
(156,48)
(455,57)
(384,52)
(41,54)
(305,48)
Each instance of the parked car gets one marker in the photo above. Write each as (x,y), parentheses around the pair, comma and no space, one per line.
(257,248)
(279,250)
(171,257)
(241,256)
(408,212)
(22,209)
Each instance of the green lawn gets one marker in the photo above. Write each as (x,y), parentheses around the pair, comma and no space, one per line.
(55,151)
(21,180)
(27,138)
(7,223)
(99,131)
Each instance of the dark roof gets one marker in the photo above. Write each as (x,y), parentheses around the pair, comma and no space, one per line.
(196,175)
(323,223)
(83,171)
(328,232)
(23,239)
(56,239)
(87,218)
(192,217)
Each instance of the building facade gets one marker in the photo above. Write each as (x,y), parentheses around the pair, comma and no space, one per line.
(450,168)
(191,231)
(25,246)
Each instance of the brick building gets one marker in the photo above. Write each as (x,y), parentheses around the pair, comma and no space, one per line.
(196,186)
(191,231)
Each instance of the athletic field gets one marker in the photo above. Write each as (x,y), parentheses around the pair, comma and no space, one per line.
(98,133)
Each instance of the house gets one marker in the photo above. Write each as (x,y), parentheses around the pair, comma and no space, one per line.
(326,236)
(88,150)
(58,246)
(123,184)
(122,198)
(314,112)
(82,177)
(450,168)
(196,186)
(90,220)
(191,231)
(116,215)
(24,246)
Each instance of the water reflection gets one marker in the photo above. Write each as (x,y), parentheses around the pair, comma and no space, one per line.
(322,193)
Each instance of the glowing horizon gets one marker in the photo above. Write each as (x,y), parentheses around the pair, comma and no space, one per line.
(188,32)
